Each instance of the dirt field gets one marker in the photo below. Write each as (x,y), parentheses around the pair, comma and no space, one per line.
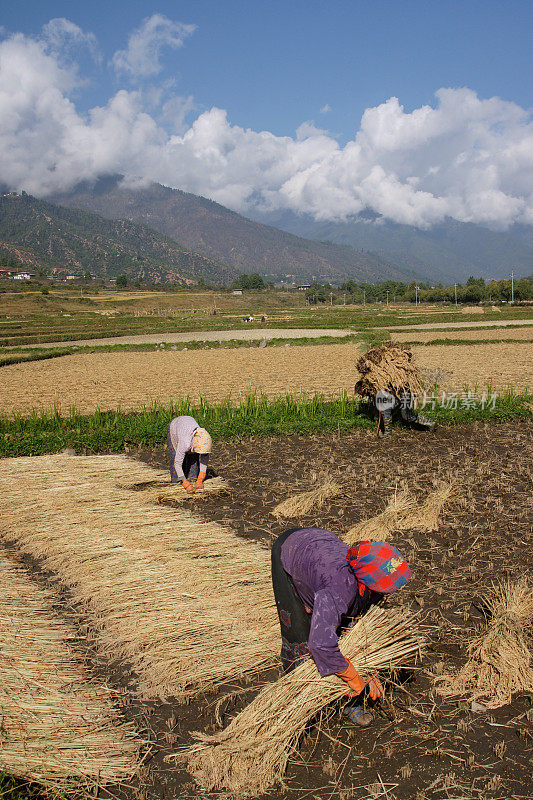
(480,334)
(420,746)
(134,379)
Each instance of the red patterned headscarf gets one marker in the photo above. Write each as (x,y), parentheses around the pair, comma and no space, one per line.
(379,566)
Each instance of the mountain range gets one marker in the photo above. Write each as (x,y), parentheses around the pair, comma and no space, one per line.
(158,234)
(446,252)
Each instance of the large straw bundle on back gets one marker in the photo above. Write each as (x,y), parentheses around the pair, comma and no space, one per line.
(500,660)
(403,513)
(389,367)
(58,727)
(251,754)
(188,603)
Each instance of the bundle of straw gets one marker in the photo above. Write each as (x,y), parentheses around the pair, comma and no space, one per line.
(403,513)
(160,491)
(389,367)
(251,754)
(188,603)
(500,661)
(58,727)
(301,504)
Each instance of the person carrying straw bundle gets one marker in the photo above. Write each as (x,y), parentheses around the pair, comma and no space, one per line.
(321,586)
(390,379)
(189,447)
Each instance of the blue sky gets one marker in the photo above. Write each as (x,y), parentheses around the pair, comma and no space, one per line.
(193,117)
(273,65)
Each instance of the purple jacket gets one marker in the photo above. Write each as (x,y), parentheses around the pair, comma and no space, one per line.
(316,561)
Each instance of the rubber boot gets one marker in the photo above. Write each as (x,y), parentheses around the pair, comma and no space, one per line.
(426,423)
(358,715)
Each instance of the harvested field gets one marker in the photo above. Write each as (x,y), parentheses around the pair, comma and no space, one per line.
(59,727)
(524,333)
(107,380)
(421,745)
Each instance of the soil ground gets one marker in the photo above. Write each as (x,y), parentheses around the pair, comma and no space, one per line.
(420,747)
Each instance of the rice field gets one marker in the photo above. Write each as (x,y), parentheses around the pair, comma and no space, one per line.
(131,380)
(177,606)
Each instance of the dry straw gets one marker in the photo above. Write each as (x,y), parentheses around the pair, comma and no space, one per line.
(303,503)
(389,367)
(500,661)
(403,512)
(161,491)
(251,754)
(58,727)
(187,603)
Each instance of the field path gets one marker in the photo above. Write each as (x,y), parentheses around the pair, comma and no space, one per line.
(252,334)
(433,326)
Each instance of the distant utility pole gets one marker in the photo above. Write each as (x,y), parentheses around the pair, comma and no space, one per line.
(364,297)
(512,286)
(416,294)
(387,298)
(344,298)
(331,298)
(455,287)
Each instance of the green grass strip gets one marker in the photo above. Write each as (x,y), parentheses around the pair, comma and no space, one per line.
(253,415)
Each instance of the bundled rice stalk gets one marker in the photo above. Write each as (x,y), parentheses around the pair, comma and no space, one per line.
(403,513)
(251,754)
(186,602)
(159,491)
(59,727)
(389,367)
(301,504)
(500,660)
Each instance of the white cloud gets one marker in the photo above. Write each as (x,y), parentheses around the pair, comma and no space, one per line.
(325,109)
(141,59)
(62,37)
(464,157)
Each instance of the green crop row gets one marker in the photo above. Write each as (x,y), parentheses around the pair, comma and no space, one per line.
(253,415)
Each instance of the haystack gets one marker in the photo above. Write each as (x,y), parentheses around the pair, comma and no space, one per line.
(389,367)
(301,504)
(186,602)
(251,754)
(59,727)
(403,512)
(500,662)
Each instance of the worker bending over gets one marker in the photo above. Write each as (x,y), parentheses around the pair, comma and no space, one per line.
(189,447)
(321,585)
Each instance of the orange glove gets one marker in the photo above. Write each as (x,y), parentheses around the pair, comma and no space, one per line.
(352,678)
(200,480)
(375,688)
(187,485)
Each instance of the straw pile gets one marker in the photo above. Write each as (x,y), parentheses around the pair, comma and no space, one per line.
(403,513)
(187,603)
(301,504)
(389,367)
(58,727)
(251,754)
(160,491)
(500,661)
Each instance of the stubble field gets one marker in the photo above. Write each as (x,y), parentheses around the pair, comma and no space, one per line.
(130,380)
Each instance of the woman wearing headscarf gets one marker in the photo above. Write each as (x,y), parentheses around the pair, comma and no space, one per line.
(189,446)
(320,586)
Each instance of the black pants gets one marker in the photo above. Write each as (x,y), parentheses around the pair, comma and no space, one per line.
(294,620)
(190,465)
